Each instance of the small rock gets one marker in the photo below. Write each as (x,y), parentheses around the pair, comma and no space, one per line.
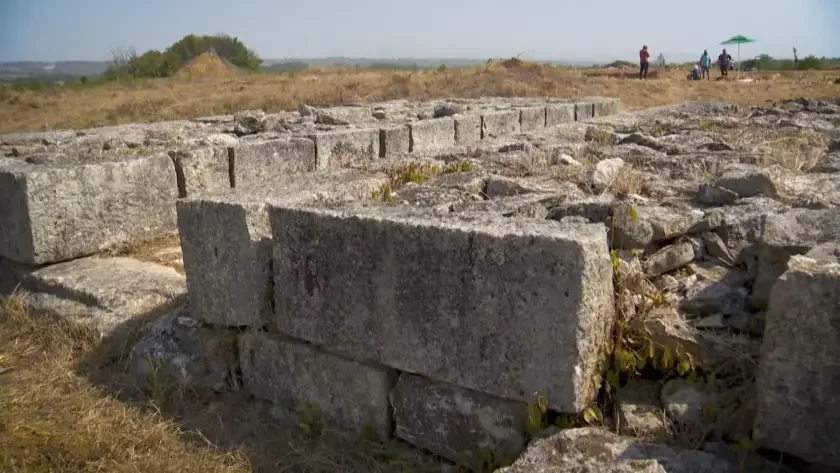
(249,122)
(711,297)
(446,109)
(712,195)
(639,411)
(717,248)
(606,172)
(575,219)
(324,118)
(379,114)
(750,323)
(307,110)
(567,160)
(748,181)
(669,258)
(627,231)
(686,405)
(710,322)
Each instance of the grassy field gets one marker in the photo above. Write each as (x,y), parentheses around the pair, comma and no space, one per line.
(81,106)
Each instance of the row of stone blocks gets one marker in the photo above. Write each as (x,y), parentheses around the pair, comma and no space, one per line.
(51,213)
(373,313)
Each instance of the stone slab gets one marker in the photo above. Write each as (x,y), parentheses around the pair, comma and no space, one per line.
(394,141)
(604,106)
(499,123)
(334,148)
(257,163)
(350,396)
(433,134)
(56,213)
(584,110)
(505,306)
(201,170)
(558,114)
(226,241)
(798,377)
(467,129)
(103,292)
(463,426)
(532,118)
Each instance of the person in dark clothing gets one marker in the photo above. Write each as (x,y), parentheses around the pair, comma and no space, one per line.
(723,61)
(644,55)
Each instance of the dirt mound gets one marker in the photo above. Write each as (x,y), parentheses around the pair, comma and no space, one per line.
(207,65)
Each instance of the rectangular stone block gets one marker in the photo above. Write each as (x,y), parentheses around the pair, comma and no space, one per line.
(394,141)
(604,106)
(336,148)
(466,427)
(559,113)
(351,396)
(798,377)
(584,110)
(505,306)
(499,123)
(531,118)
(257,163)
(226,241)
(51,213)
(202,170)
(433,134)
(467,129)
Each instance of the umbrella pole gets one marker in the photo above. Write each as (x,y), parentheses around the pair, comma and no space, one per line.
(738,72)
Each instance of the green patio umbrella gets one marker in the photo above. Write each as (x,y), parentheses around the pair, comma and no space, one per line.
(739,40)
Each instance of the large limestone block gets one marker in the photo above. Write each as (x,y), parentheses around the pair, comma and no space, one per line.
(350,396)
(501,305)
(584,109)
(798,378)
(259,162)
(103,293)
(532,118)
(51,213)
(433,134)
(339,147)
(394,141)
(559,113)
(499,123)
(202,170)
(464,426)
(604,106)
(226,244)
(467,129)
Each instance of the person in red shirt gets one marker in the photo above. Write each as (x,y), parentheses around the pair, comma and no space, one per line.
(643,62)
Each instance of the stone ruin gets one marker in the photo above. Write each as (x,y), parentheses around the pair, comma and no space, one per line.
(427,271)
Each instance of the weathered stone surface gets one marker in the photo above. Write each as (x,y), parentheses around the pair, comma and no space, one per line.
(627,231)
(441,199)
(192,354)
(558,114)
(394,141)
(463,426)
(226,242)
(259,163)
(604,106)
(201,170)
(248,122)
(594,450)
(417,286)
(798,378)
(748,181)
(337,147)
(467,129)
(639,411)
(499,123)
(104,292)
(532,118)
(584,109)
(432,135)
(669,258)
(350,396)
(56,213)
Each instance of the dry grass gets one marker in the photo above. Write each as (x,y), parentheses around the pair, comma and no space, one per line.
(164,99)
(68,404)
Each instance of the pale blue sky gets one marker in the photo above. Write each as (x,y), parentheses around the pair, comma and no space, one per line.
(587,30)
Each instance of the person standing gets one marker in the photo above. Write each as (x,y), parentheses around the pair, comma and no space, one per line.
(644,55)
(706,64)
(723,61)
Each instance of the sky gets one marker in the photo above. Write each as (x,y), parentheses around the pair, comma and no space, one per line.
(587,30)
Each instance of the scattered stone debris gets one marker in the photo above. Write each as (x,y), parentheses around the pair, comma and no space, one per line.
(662,284)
